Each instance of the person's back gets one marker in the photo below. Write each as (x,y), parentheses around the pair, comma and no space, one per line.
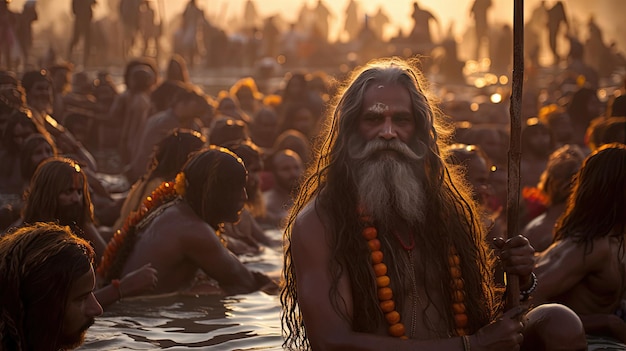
(165,242)
(584,268)
(590,286)
(177,231)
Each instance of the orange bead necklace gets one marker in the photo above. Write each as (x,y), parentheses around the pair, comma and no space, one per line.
(385,293)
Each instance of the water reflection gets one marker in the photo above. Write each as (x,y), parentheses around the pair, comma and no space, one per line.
(180,322)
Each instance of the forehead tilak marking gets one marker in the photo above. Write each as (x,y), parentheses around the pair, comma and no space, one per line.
(378,107)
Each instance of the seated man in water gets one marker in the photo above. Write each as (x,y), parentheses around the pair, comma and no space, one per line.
(584,267)
(47,300)
(384,247)
(176,230)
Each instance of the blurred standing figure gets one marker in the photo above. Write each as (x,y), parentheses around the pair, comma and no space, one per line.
(378,23)
(24,30)
(250,14)
(322,17)
(556,16)
(481,26)
(421,25)
(83,13)
(352,25)
(149,29)
(187,36)
(7,33)
(129,15)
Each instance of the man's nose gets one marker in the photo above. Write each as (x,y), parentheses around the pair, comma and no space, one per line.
(388,130)
(94,308)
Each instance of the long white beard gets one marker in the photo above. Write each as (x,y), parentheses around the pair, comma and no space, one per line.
(387,184)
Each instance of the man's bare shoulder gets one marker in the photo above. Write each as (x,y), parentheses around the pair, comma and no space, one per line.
(181,220)
(568,249)
(309,224)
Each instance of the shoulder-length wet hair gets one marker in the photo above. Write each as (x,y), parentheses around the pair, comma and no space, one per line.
(450,216)
(38,265)
(51,178)
(597,206)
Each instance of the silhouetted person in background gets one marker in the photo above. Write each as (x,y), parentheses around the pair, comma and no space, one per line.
(322,17)
(479,12)
(24,30)
(352,25)
(421,25)
(8,20)
(83,13)
(556,16)
(129,15)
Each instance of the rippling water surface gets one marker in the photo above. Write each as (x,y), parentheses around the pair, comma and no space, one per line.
(177,322)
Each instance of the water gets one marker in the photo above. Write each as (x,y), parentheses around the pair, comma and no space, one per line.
(179,322)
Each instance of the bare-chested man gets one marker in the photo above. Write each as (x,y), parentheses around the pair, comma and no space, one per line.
(384,247)
(176,231)
(287,169)
(584,268)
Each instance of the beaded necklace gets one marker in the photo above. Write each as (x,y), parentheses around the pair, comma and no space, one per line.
(385,293)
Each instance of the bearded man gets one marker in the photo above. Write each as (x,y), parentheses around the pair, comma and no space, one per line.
(59,192)
(47,298)
(384,246)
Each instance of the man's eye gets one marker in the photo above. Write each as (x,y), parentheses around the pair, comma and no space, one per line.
(372,117)
(402,118)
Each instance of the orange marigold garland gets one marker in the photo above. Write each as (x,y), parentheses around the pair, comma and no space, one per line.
(385,293)
(123,240)
(458,293)
(181,184)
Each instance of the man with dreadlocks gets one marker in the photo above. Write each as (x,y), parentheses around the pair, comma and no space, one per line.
(47,301)
(59,191)
(384,246)
(584,268)
(176,228)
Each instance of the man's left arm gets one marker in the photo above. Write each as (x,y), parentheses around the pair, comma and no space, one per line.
(562,266)
(202,246)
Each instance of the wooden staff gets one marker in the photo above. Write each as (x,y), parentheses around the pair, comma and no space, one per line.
(513,181)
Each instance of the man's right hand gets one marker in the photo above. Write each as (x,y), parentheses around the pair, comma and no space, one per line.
(139,281)
(503,334)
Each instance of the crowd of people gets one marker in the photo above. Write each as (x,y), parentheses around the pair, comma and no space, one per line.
(391,199)
(208,38)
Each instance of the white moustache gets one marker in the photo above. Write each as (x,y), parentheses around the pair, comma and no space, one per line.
(377,145)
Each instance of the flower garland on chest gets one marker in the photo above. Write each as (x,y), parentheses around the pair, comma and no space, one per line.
(383,283)
(111,264)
